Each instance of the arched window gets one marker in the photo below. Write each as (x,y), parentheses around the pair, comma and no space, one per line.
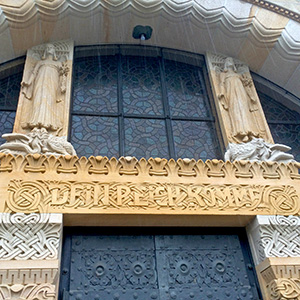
(142,105)
(284,123)
(9,95)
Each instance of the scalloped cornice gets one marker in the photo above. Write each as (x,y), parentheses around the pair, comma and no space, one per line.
(279,9)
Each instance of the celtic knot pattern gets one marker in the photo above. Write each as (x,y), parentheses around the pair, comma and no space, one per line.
(274,236)
(282,237)
(29,236)
(26,196)
(284,289)
(283,199)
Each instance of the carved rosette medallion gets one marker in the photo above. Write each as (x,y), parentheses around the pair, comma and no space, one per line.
(283,199)
(27,196)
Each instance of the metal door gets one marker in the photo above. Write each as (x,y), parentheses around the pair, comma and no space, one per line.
(162,267)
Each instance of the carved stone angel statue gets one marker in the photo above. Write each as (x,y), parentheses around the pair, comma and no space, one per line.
(46,87)
(237,98)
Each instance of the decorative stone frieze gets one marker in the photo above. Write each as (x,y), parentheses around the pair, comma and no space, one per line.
(274,236)
(105,196)
(29,255)
(28,276)
(45,89)
(99,185)
(258,150)
(238,106)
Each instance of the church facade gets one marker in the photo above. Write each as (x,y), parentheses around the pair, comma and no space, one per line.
(149,149)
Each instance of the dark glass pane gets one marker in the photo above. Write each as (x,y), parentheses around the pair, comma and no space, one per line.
(275,111)
(185,91)
(288,135)
(95,84)
(7,119)
(9,90)
(145,138)
(141,86)
(95,136)
(195,140)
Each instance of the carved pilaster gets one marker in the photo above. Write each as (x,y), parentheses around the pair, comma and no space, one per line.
(275,245)
(29,255)
(238,106)
(45,89)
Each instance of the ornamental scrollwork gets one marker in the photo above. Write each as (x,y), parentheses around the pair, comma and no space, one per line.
(43,195)
(43,291)
(153,167)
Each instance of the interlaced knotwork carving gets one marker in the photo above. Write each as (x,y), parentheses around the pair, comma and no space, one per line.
(32,236)
(282,237)
(275,236)
(284,289)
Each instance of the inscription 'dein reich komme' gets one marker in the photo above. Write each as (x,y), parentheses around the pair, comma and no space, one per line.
(29,196)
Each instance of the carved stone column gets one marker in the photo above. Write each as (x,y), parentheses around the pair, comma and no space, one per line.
(30,246)
(238,106)
(275,246)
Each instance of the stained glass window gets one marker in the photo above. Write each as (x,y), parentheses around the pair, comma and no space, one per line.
(186,93)
(7,119)
(284,123)
(95,84)
(145,138)
(141,106)
(195,140)
(9,94)
(141,86)
(95,135)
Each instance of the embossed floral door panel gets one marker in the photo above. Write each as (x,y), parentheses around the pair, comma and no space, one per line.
(121,267)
